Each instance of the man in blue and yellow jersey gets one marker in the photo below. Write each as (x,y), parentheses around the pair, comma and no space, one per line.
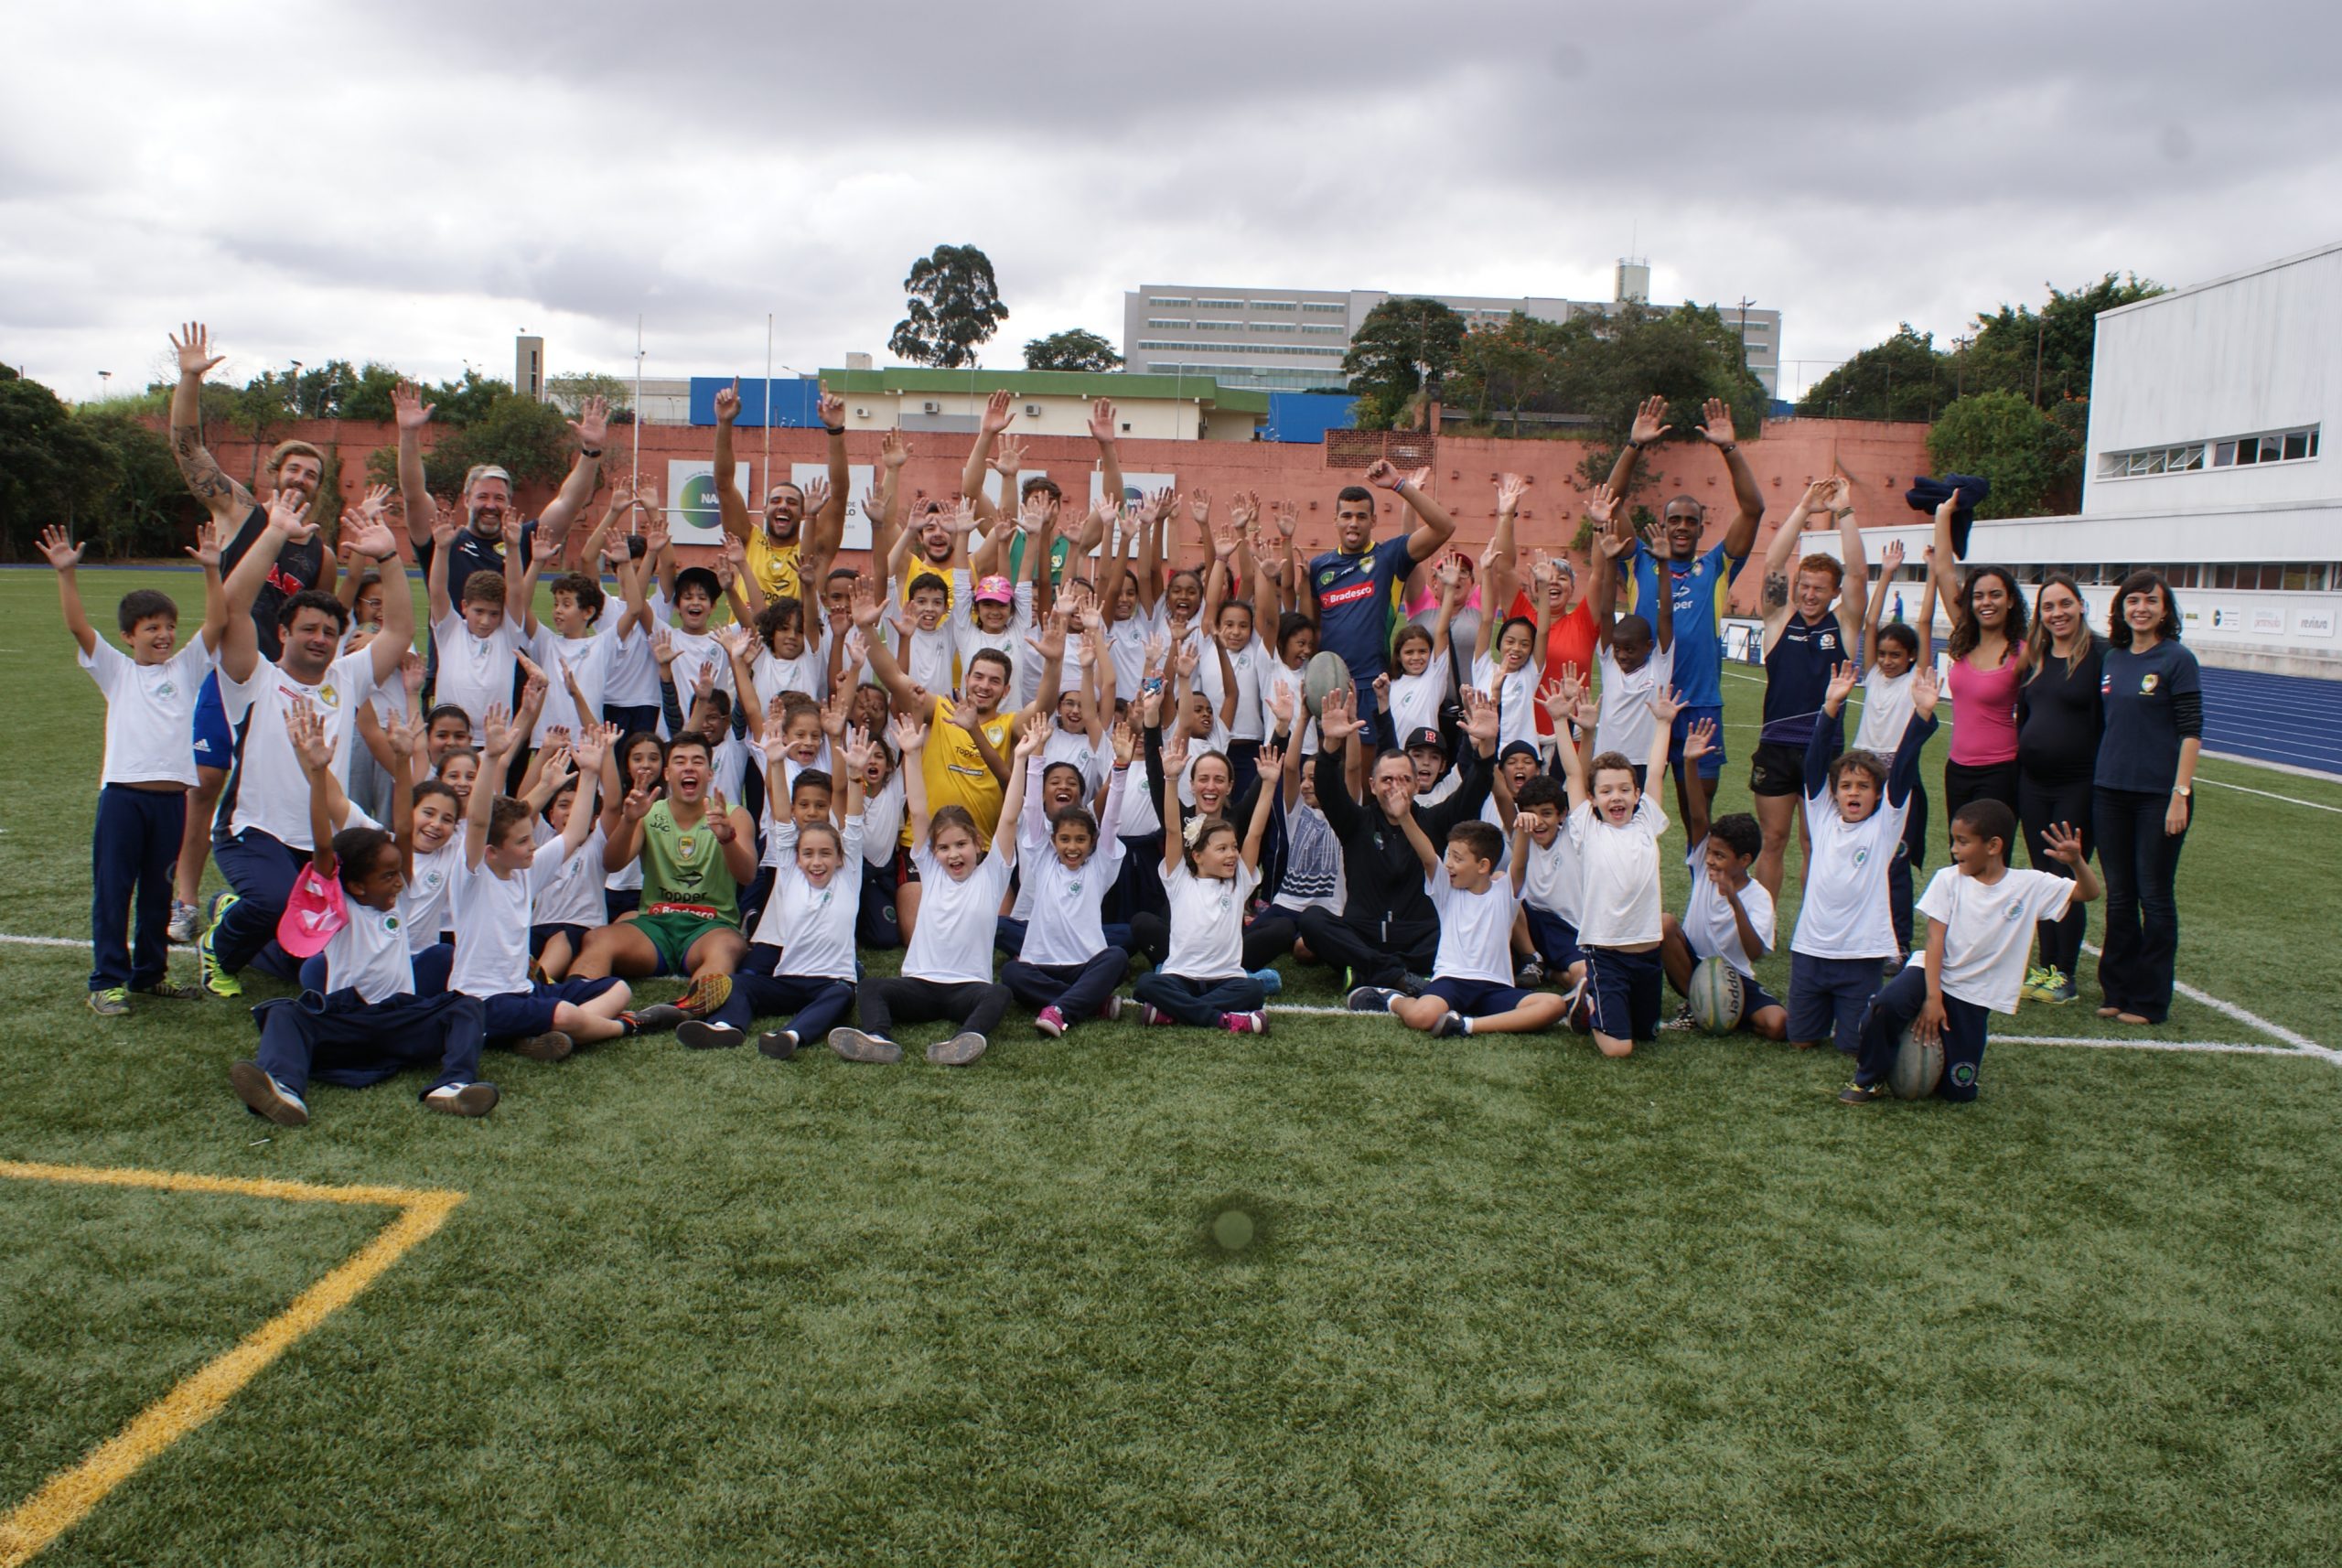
(786,548)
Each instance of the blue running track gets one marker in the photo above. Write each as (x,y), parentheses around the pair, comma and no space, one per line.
(2291,719)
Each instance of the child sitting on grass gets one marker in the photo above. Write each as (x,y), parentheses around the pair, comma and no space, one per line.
(1471,990)
(1729,914)
(1209,875)
(1980,914)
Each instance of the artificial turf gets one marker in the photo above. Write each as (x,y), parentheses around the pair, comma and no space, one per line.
(1503,1301)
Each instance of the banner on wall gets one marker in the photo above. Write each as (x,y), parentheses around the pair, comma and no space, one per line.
(692,516)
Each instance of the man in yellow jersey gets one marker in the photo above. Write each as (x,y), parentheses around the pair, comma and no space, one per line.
(789,549)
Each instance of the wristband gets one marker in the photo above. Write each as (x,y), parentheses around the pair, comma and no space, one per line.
(835,429)
(1633,444)
(592,452)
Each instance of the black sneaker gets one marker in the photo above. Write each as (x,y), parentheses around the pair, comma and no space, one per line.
(858,1045)
(1450,1024)
(265,1096)
(1862,1093)
(658,1018)
(778,1043)
(1372,999)
(1532,975)
(553,1046)
(694,1035)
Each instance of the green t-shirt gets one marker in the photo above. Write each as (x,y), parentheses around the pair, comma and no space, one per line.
(686,867)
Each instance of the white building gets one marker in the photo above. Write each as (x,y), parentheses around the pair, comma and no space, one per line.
(2207,408)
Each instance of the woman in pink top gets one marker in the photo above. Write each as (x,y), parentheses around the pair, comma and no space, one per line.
(1990,657)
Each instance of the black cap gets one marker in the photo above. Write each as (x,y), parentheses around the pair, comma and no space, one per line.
(1522,746)
(1425,736)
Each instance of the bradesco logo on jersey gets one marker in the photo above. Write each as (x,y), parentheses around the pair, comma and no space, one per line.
(1351,594)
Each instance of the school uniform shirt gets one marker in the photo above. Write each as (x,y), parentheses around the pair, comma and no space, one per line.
(1283,676)
(1064,927)
(952,942)
(1126,644)
(1515,695)
(1073,747)
(1626,723)
(813,926)
(1248,665)
(1554,881)
(1618,903)
(272,792)
(589,658)
(574,896)
(727,767)
(1475,930)
(369,954)
(632,679)
(1845,912)
(476,672)
(1313,858)
(694,650)
(1887,711)
(1708,925)
(2143,695)
(1207,922)
(1988,929)
(150,712)
(773,816)
(882,821)
(492,923)
(931,658)
(968,638)
(807,673)
(424,902)
(1415,699)
(1197,746)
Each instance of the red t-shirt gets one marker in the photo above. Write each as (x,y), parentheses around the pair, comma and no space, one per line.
(1570,642)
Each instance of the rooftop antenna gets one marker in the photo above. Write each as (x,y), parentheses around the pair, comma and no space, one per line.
(767,470)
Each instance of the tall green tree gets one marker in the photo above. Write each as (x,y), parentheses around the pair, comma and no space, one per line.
(2016,349)
(97,471)
(527,438)
(1508,369)
(1075,349)
(1402,344)
(2033,459)
(1905,378)
(570,391)
(953,306)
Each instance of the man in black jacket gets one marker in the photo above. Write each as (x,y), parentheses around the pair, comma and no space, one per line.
(1387,932)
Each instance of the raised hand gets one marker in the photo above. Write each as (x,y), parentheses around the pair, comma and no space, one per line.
(593,743)
(405,734)
(1383,475)
(1281,704)
(817,496)
(1482,722)
(1510,488)
(719,818)
(1243,510)
(408,408)
(1102,423)
(1125,742)
(1558,700)
(1717,429)
(1891,560)
(639,801)
(834,714)
(1602,506)
(412,671)
(2064,841)
(368,535)
(306,731)
(193,345)
(1844,678)
(1175,755)
(58,546)
(592,425)
(1199,504)
(1651,422)
(1288,517)
(999,414)
(1223,541)
(290,519)
(1270,759)
(497,731)
(1699,740)
(1338,717)
(830,409)
(1156,507)
(1665,704)
(511,530)
(773,740)
(910,735)
(1926,690)
(663,649)
(1383,690)
(1031,736)
(892,451)
(962,518)
(727,403)
(1007,458)
(867,611)
(856,753)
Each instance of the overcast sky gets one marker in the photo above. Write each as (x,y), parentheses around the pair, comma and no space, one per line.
(414,182)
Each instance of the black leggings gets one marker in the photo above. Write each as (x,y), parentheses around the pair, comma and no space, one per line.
(1984,781)
(2039,806)
(977,1007)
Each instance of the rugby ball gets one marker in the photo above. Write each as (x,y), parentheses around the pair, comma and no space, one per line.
(1918,1068)
(1325,673)
(1717,996)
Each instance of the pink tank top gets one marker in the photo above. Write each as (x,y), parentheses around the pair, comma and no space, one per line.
(1984,712)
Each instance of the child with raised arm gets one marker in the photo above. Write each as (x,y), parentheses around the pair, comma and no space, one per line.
(1066,970)
(1980,914)
(1615,823)
(1854,806)
(143,783)
(1897,652)
(947,967)
(1472,990)
(477,635)
(1634,658)
(572,904)
(1208,877)
(363,1023)
(800,960)
(1730,915)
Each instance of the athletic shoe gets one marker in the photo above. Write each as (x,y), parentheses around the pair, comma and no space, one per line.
(1372,999)
(112,1002)
(694,1036)
(857,1047)
(1112,1009)
(1448,1024)
(778,1043)
(1271,983)
(267,1096)
(1683,1023)
(553,1046)
(1532,975)
(1245,1023)
(1148,1013)
(2038,984)
(1862,1093)
(181,929)
(959,1050)
(171,990)
(1414,984)
(704,996)
(2060,989)
(216,980)
(657,1018)
(1051,1022)
(466,1099)
(1577,1008)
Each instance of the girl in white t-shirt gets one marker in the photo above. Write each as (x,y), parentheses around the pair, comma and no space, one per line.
(946,969)
(1209,873)
(1065,970)
(1426,670)
(1614,821)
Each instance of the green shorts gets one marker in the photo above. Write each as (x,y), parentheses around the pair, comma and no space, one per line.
(673,934)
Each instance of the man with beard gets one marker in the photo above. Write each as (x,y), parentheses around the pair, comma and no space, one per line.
(1348,590)
(1700,582)
(789,549)
(294,470)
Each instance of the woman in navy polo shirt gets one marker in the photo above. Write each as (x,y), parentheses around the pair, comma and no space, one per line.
(2145,782)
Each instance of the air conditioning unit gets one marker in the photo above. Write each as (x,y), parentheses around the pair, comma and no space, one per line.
(861,413)
(931,408)
(1032,411)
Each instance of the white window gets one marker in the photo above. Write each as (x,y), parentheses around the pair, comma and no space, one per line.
(1169,304)
(1179,324)
(1323,304)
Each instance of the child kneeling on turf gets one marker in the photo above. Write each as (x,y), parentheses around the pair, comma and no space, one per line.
(1615,824)
(1980,913)
(801,961)
(947,968)
(365,1023)
(1471,990)
(1065,968)
(1729,914)
(1208,877)
(1855,804)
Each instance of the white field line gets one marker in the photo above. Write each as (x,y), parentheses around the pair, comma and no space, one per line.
(2267,795)
(2245,1016)
(43,941)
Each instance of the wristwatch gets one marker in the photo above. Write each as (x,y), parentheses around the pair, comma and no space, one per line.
(2183,790)
(835,429)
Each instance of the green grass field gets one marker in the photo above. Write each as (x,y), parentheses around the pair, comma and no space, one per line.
(1506,1302)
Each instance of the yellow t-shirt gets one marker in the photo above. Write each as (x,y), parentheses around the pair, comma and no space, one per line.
(955,770)
(774,566)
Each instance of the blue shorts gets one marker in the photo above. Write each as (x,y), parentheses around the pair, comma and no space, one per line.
(517,1014)
(1711,760)
(1554,938)
(215,743)
(1476,998)
(1827,996)
(1755,998)
(1624,989)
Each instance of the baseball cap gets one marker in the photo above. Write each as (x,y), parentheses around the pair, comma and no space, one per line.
(1425,736)
(995,590)
(312,914)
(1522,746)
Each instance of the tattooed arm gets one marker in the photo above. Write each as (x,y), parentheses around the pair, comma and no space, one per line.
(228,502)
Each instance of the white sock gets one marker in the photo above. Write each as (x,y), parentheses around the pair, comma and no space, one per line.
(1467,1026)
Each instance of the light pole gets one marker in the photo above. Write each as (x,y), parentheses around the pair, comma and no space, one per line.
(293,388)
(105,385)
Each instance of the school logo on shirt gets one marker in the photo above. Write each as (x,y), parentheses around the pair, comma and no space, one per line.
(1326,578)
(1074,887)
(166,690)
(1862,856)
(686,846)
(2147,684)
(1964,1074)
(2013,911)
(328,697)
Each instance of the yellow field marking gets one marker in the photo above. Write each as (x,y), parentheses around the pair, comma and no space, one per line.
(69,1496)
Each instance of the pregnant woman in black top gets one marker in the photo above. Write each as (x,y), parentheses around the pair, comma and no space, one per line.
(2058,722)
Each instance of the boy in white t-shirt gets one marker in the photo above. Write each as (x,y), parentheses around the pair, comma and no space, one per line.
(1896,651)
(1729,914)
(1854,805)
(479,639)
(1633,657)
(141,798)
(1980,914)
(1471,990)
(581,645)
(1551,886)
(1615,823)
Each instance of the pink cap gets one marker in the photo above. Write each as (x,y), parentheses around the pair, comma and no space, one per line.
(995,590)
(312,914)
